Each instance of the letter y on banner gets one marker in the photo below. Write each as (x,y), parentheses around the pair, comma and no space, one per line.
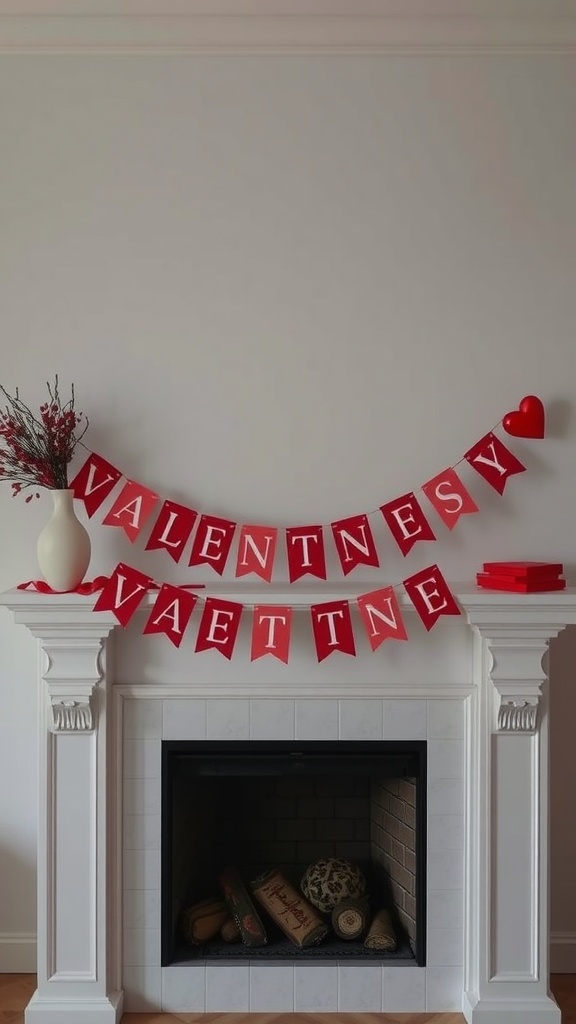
(494,461)
(171,613)
(123,593)
(271,632)
(94,481)
(430,595)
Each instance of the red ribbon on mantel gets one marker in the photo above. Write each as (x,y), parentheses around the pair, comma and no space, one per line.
(92,586)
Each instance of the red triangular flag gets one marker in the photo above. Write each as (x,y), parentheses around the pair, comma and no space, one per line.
(332,628)
(256,550)
(430,595)
(381,616)
(212,542)
(94,481)
(123,593)
(171,613)
(447,494)
(406,521)
(132,508)
(219,626)
(354,542)
(271,632)
(494,461)
(305,549)
(172,529)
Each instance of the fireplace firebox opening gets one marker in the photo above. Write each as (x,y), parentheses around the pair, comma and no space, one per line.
(257,806)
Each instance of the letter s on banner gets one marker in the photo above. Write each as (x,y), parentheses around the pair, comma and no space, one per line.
(447,494)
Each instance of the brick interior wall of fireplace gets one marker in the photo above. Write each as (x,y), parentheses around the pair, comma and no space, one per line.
(393,835)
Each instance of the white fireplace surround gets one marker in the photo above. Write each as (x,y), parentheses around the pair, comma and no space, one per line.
(99,814)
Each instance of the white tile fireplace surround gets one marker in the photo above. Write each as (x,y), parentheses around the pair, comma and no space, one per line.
(483,712)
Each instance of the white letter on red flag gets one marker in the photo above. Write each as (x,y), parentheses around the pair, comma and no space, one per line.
(447,494)
(94,481)
(494,461)
(171,613)
(219,626)
(381,616)
(332,628)
(212,542)
(256,550)
(406,521)
(132,508)
(305,548)
(430,595)
(354,542)
(172,529)
(123,593)
(271,632)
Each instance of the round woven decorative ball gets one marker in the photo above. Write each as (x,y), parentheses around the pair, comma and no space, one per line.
(330,881)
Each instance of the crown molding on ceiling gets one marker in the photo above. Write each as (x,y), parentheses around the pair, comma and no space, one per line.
(288,26)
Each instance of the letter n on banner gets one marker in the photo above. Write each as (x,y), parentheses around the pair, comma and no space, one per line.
(430,595)
(447,494)
(332,628)
(172,529)
(256,550)
(354,542)
(407,522)
(171,613)
(219,626)
(132,508)
(94,481)
(271,632)
(305,549)
(123,593)
(494,461)
(381,616)
(212,542)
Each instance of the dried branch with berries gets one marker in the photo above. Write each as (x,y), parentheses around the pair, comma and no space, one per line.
(35,450)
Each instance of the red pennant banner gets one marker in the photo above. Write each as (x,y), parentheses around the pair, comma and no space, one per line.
(123,593)
(430,595)
(354,542)
(256,550)
(332,628)
(381,616)
(219,626)
(212,542)
(494,461)
(94,481)
(172,529)
(171,613)
(447,494)
(271,632)
(406,521)
(131,510)
(305,549)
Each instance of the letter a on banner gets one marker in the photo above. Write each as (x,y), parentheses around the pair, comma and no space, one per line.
(354,542)
(271,632)
(447,494)
(430,595)
(172,529)
(94,481)
(332,628)
(305,549)
(132,508)
(219,626)
(494,461)
(381,616)
(123,593)
(407,522)
(212,542)
(171,613)
(256,549)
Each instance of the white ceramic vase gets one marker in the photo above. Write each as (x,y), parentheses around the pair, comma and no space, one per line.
(63,547)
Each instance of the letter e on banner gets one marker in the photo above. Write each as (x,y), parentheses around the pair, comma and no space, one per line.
(430,595)
(406,521)
(211,544)
(256,550)
(132,508)
(381,616)
(493,461)
(271,632)
(354,542)
(94,481)
(123,593)
(332,628)
(219,626)
(171,613)
(305,550)
(172,529)
(447,494)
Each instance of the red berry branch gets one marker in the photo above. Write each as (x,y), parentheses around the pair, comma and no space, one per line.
(35,450)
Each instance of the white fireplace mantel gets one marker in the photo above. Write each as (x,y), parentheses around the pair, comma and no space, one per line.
(80,963)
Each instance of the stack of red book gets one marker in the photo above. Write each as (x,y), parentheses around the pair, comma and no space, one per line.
(523,577)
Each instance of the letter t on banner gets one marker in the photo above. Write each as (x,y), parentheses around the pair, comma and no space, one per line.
(305,549)
(271,632)
(332,628)
(430,595)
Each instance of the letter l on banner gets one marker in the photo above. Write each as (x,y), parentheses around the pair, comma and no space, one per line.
(172,529)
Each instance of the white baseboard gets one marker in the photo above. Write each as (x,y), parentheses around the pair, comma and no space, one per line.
(563,953)
(17,953)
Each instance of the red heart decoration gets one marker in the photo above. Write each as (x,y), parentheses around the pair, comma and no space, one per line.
(527,420)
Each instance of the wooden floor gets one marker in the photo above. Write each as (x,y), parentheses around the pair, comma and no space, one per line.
(16,989)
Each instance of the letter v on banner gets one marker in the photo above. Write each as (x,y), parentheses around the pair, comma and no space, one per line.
(131,510)
(123,593)
(381,617)
(494,461)
(430,595)
(171,613)
(94,481)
